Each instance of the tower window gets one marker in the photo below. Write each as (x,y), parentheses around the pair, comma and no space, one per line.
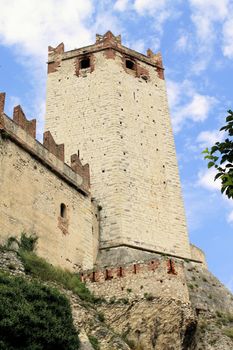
(85,63)
(130,64)
(63,211)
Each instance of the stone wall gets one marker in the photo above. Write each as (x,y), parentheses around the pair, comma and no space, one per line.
(160,277)
(199,255)
(42,195)
(118,118)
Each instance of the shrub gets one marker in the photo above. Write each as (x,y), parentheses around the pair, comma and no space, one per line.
(148,296)
(38,267)
(34,317)
(26,242)
(94,342)
(101,316)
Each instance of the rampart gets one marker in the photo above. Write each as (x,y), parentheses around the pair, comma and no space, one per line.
(41,194)
(160,277)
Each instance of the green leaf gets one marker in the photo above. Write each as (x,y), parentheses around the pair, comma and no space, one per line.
(210,164)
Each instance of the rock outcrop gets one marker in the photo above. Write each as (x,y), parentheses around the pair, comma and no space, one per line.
(152,323)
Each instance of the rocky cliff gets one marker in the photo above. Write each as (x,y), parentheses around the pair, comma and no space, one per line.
(152,323)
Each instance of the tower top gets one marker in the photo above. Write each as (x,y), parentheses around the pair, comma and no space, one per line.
(108,41)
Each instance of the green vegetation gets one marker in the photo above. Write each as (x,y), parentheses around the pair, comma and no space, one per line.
(94,342)
(148,296)
(100,316)
(220,156)
(39,268)
(224,318)
(34,317)
(228,332)
(26,242)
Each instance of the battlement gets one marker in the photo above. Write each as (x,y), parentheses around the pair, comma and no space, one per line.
(110,44)
(160,277)
(23,132)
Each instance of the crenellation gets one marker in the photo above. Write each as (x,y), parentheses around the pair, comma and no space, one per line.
(103,190)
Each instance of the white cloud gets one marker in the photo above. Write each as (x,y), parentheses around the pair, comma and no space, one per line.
(205,13)
(228,38)
(206,180)
(121,5)
(143,6)
(187,104)
(207,138)
(208,17)
(182,42)
(31,25)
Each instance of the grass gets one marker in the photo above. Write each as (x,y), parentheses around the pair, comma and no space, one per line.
(228,332)
(40,268)
(94,342)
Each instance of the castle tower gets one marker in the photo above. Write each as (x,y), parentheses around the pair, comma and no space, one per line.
(109,103)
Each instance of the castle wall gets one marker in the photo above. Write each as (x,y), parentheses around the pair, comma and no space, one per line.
(33,185)
(119,121)
(160,277)
(198,255)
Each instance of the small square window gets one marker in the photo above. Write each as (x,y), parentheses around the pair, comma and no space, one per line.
(130,64)
(85,63)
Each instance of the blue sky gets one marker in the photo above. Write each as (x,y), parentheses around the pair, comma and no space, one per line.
(196,41)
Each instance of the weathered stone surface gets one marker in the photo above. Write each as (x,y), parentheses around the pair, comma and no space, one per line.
(118,119)
(34,184)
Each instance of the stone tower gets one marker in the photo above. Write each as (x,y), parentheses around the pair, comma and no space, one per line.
(109,104)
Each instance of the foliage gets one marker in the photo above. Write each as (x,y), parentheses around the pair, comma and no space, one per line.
(40,268)
(220,156)
(94,342)
(34,317)
(26,242)
(148,296)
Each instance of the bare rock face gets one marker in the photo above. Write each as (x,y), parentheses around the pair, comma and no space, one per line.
(152,324)
(213,304)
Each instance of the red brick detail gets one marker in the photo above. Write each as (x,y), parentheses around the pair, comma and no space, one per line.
(142,72)
(108,274)
(171,267)
(2,101)
(78,65)
(28,125)
(60,49)
(56,54)
(108,37)
(50,144)
(82,170)
(157,58)
(120,272)
(110,53)
(136,268)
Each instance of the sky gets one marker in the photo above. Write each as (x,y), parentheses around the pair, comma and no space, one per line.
(195,38)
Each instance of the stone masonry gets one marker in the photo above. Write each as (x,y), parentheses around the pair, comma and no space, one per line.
(41,194)
(109,104)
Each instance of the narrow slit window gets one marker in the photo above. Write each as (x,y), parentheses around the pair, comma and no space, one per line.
(63,211)
(85,63)
(130,64)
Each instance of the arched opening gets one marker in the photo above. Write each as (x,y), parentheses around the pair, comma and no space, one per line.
(85,63)
(63,211)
